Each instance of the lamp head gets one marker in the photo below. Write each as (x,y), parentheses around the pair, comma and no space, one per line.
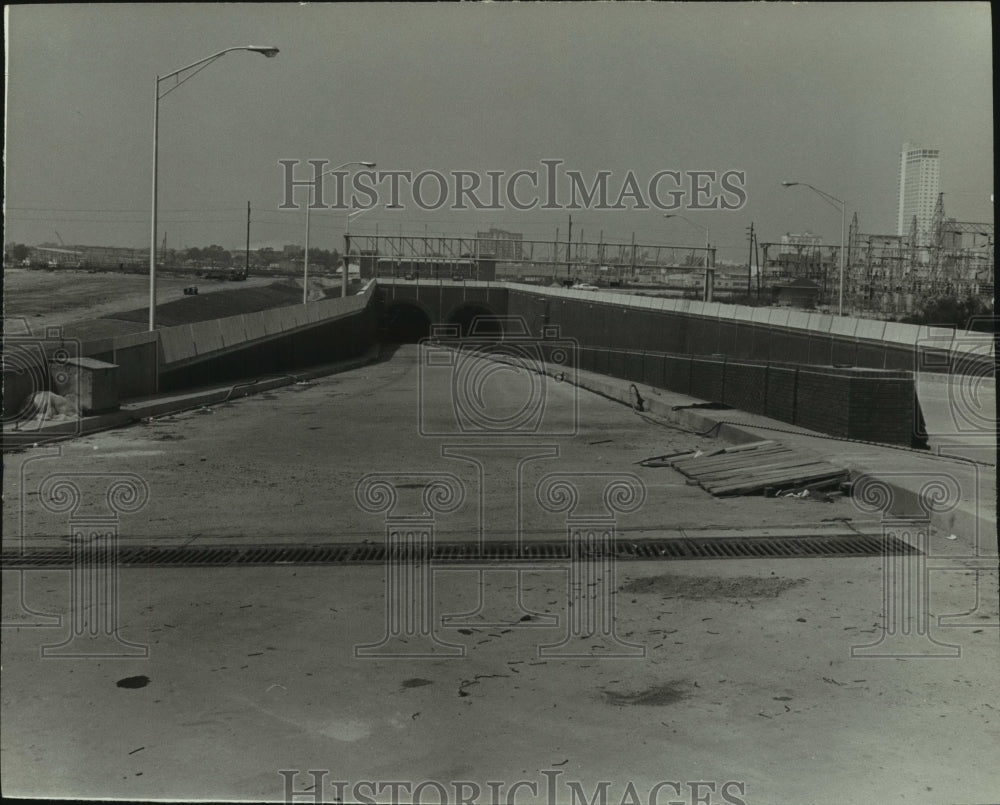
(368,164)
(269,52)
(789,184)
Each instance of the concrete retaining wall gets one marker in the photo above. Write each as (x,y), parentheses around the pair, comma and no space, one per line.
(250,344)
(868,404)
(624,321)
(271,341)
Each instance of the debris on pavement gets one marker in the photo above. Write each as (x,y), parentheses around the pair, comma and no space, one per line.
(764,466)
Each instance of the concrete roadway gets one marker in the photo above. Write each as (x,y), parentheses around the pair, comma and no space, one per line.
(747,676)
(283,465)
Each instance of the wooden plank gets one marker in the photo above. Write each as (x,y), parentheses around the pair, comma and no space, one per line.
(763,470)
(781,469)
(777,473)
(746,461)
(751,486)
(729,458)
(739,448)
(664,460)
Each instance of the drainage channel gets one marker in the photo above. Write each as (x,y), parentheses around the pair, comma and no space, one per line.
(846,545)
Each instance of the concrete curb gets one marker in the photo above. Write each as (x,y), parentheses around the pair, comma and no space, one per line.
(132,412)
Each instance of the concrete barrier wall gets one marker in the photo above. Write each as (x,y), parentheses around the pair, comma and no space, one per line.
(152,362)
(270,341)
(622,321)
(867,404)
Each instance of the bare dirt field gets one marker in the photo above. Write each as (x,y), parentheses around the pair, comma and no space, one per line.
(64,297)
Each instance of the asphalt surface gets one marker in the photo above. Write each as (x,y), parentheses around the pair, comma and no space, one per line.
(740,673)
(285,465)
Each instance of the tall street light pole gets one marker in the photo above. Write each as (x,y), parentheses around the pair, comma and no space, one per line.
(843,230)
(194,68)
(709,261)
(305,271)
(347,246)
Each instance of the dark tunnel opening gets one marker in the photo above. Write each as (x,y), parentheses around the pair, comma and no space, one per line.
(404,324)
(476,320)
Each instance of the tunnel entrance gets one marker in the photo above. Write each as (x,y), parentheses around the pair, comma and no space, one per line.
(404,323)
(478,320)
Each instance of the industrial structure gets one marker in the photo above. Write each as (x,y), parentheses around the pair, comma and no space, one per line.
(602,262)
(891,275)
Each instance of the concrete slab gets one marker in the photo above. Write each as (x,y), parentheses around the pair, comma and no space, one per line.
(778,317)
(761,315)
(743,313)
(207,336)
(901,333)
(176,344)
(296,316)
(820,322)
(872,330)
(319,310)
(254,326)
(272,321)
(233,329)
(798,319)
(711,310)
(846,326)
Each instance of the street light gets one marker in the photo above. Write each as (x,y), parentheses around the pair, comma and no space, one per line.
(201,64)
(843,228)
(305,274)
(347,245)
(697,226)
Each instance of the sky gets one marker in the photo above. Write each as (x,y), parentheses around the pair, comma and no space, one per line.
(818,93)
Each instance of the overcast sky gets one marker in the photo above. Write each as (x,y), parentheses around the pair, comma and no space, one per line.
(825,94)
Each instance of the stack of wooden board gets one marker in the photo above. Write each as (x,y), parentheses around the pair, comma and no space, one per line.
(755,467)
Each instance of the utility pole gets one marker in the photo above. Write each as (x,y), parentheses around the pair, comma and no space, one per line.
(633,256)
(347,260)
(757,255)
(750,236)
(246,265)
(555,252)
(569,245)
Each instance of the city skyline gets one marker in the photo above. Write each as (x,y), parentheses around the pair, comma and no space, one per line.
(797,93)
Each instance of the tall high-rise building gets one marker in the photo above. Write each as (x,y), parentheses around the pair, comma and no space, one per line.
(918,190)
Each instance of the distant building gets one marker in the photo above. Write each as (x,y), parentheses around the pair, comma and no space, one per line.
(88,256)
(798,292)
(919,180)
(500,244)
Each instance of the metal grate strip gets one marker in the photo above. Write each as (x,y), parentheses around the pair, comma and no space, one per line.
(847,545)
